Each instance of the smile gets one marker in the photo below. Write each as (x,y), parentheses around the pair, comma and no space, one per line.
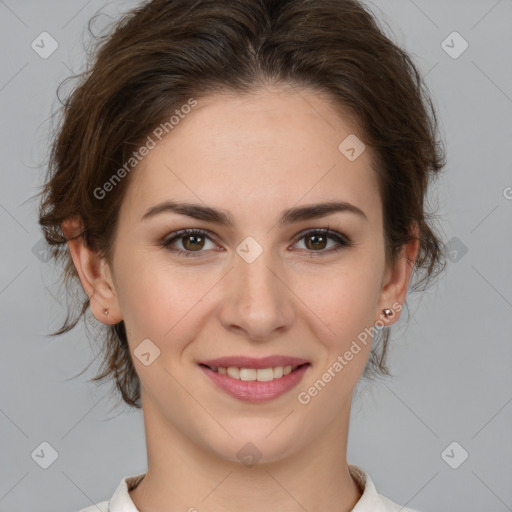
(255,384)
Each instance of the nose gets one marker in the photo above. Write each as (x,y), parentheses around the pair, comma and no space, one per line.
(258,301)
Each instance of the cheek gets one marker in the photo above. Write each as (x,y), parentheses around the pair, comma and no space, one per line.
(344,310)
(162,302)
(344,296)
(151,300)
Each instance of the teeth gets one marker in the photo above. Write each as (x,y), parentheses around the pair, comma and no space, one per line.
(260,374)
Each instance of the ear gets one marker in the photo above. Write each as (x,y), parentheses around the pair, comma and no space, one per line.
(396,280)
(94,272)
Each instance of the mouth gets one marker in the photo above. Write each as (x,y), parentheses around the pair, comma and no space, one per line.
(255,384)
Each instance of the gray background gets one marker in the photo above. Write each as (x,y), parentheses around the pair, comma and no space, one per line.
(452,360)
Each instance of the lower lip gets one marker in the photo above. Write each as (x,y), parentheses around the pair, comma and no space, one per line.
(254,390)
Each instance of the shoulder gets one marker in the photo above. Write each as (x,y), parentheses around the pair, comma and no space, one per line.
(371,500)
(98,507)
(120,500)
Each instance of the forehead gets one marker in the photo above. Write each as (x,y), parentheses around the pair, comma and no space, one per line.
(264,151)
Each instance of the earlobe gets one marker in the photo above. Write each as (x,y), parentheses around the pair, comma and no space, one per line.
(94,274)
(395,287)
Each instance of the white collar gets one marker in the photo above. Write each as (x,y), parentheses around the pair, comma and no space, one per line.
(370,501)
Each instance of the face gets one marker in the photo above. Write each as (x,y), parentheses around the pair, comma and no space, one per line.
(260,286)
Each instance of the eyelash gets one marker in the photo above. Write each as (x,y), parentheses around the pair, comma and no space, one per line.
(342,241)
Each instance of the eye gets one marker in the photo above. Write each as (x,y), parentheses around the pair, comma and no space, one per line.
(318,239)
(194,240)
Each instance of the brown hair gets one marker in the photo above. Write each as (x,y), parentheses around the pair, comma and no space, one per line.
(164,52)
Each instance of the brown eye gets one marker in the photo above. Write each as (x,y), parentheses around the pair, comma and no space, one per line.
(317,240)
(192,241)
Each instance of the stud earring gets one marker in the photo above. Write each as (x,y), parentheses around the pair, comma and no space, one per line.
(105,312)
(387,312)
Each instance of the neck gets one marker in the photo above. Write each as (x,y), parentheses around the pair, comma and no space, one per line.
(184,476)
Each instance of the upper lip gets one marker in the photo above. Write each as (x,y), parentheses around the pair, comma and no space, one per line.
(251,362)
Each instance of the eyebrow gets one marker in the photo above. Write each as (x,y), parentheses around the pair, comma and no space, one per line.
(222,217)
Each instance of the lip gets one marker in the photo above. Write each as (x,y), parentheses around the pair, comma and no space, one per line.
(253,390)
(252,362)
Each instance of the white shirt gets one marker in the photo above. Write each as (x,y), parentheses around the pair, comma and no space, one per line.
(370,501)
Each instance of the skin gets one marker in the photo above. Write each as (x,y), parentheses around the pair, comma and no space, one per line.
(260,153)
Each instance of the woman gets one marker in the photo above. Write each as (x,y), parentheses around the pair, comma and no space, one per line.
(240,186)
